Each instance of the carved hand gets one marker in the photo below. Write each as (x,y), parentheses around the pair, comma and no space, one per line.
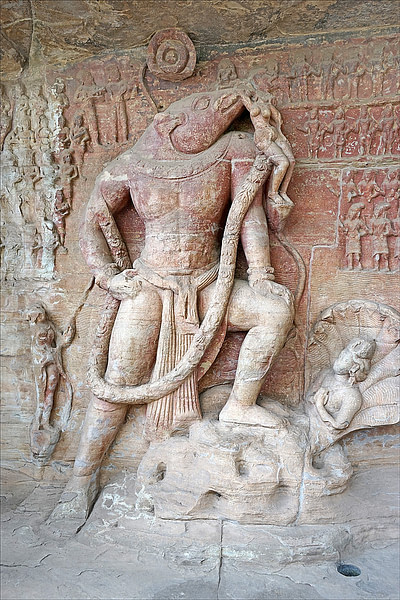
(124,285)
(267,287)
(321,397)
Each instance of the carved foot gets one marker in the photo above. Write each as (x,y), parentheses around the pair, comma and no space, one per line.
(234,412)
(75,505)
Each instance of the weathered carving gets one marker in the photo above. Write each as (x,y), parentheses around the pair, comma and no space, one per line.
(365,131)
(353,363)
(117,90)
(226,74)
(171,55)
(6,115)
(314,133)
(368,189)
(239,472)
(59,94)
(357,73)
(396,232)
(350,189)
(63,135)
(85,96)
(380,230)
(354,228)
(68,172)
(375,226)
(335,75)
(50,243)
(387,128)
(168,348)
(61,210)
(46,348)
(390,187)
(306,71)
(339,130)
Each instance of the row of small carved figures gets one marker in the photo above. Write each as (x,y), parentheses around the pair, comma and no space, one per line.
(348,73)
(25,250)
(41,138)
(21,168)
(379,227)
(31,118)
(366,126)
(368,189)
(25,119)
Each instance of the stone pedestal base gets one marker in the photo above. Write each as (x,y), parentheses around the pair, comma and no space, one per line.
(245,473)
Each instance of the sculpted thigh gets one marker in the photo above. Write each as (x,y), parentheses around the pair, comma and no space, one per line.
(134,339)
(247,308)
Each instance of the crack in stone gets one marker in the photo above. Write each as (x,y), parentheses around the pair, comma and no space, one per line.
(27,566)
(221,534)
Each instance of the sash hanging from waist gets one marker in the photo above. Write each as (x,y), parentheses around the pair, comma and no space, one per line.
(179,323)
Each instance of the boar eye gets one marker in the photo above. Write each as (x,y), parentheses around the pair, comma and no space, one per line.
(201,103)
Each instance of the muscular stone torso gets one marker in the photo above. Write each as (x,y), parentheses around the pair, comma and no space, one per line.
(182,217)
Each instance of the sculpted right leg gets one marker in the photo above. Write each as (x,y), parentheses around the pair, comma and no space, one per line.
(132,351)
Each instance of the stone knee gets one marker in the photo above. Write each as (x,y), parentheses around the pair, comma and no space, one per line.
(282,163)
(277,318)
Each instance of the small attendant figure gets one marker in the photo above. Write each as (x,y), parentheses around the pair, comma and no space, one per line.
(355,228)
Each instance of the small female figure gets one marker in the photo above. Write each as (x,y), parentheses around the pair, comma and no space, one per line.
(46,348)
(387,128)
(396,232)
(68,172)
(269,139)
(60,213)
(364,131)
(5,116)
(79,139)
(313,130)
(47,344)
(350,186)
(339,129)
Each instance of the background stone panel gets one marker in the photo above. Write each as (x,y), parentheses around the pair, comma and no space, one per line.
(76,38)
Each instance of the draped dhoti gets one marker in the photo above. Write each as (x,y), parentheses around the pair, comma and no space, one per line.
(179,323)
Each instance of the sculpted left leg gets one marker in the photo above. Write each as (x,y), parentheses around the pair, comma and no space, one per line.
(131,356)
(268,319)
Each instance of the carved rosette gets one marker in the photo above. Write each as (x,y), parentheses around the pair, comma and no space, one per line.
(171,55)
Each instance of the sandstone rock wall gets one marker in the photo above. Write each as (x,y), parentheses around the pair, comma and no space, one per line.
(72,104)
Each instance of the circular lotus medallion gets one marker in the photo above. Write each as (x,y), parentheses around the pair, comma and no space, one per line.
(171,55)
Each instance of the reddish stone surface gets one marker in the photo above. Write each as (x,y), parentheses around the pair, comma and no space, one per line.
(319,188)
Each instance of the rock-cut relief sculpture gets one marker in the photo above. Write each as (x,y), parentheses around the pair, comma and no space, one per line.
(167,314)
(47,345)
(354,365)
(367,237)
